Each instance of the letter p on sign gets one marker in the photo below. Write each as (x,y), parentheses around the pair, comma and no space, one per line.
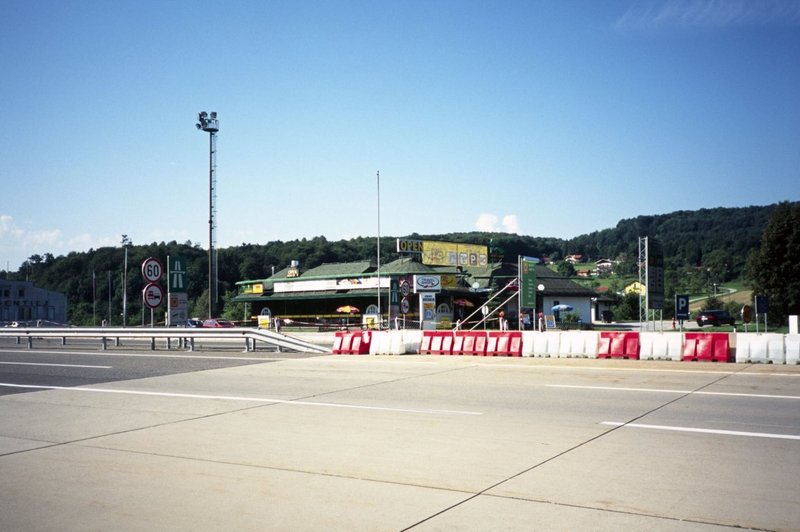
(682,307)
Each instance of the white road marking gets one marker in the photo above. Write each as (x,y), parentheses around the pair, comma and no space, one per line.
(681,392)
(634,370)
(704,431)
(55,365)
(145,355)
(244,399)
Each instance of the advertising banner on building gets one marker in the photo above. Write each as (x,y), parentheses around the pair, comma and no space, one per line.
(445,253)
(427,283)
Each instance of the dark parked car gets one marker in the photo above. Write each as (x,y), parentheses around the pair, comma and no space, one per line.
(715,318)
(194,322)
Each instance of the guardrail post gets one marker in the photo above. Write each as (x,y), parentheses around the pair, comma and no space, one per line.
(63,340)
(191,343)
(103,341)
(30,342)
(116,341)
(153,343)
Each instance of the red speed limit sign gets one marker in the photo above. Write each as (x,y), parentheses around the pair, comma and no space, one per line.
(152,295)
(152,270)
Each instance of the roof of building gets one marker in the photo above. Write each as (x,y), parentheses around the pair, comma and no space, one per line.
(556,284)
(492,276)
(338,270)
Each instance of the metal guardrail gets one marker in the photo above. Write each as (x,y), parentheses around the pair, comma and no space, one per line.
(185,336)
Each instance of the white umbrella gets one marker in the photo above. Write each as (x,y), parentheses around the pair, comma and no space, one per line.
(562,307)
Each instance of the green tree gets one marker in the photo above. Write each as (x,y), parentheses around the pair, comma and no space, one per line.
(566,269)
(627,308)
(234,311)
(772,268)
(712,303)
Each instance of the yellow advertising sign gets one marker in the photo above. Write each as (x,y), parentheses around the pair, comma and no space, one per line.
(449,281)
(452,254)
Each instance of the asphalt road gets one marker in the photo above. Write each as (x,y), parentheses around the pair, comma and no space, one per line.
(230,441)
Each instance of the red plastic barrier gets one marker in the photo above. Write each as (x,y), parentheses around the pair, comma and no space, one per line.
(436,343)
(618,345)
(341,342)
(352,343)
(507,343)
(469,343)
(712,347)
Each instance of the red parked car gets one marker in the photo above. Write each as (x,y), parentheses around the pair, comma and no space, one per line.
(217,322)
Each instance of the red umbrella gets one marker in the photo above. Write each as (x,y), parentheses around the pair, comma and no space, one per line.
(348,309)
(463,303)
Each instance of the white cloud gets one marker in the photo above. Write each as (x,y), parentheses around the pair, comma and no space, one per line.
(491,223)
(7,228)
(17,243)
(487,223)
(709,14)
(511,223)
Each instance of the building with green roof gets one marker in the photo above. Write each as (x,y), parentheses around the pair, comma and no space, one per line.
(323,295)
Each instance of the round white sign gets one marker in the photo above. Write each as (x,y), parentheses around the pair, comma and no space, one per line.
(152,270)
(152,295)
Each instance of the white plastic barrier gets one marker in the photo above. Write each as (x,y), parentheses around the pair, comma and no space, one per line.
(578,344)
(540,344)
(792,345)
(553,343)
(571,344)
(395,342)
(411,339)
(381,343)
(660,346)
(527,343)
(760,347)
(592,339)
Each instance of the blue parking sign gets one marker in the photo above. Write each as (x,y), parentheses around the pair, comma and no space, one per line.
(682,307)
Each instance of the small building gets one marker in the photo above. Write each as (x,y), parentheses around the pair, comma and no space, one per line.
(603,266)
(635,288)
(23,303)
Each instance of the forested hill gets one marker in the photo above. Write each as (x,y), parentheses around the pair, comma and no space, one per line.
(717,240)
(689,238)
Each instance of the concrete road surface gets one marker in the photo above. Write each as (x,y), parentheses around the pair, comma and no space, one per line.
(406,443)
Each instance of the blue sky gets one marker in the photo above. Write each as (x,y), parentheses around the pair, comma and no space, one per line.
(542,118)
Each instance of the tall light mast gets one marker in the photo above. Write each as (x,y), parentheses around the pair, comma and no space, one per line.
(209,123)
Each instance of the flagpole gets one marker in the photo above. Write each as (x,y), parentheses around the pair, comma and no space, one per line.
(94,299)
(380,314)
